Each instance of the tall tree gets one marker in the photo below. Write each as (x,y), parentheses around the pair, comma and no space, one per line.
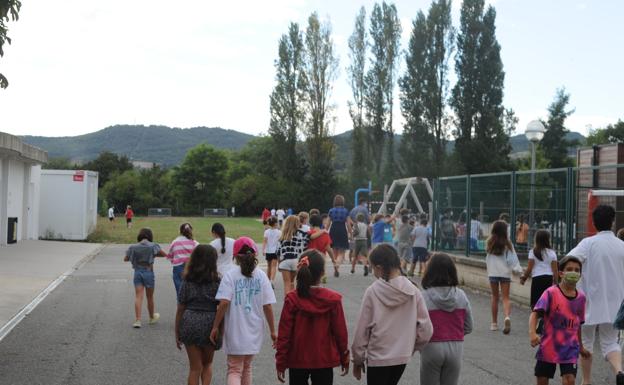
(482,141)
(320,67)
(385,32)
(356,72)
(107,164)
(9,10)
(613,133)
(287,102)
(554,144)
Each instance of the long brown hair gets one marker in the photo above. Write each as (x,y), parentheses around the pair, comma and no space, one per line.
(542,242)
(310,272)
(498,242)
(186,230)
(246,259)
(386,257)
(202,266)
(440,271)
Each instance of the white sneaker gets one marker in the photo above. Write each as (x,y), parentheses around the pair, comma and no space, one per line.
(507,327)
(493,326)
(136,324)
(154,319)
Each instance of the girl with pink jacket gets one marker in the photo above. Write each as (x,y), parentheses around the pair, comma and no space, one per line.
(390,304)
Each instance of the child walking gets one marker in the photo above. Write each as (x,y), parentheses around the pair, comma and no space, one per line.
(404,245)
(270,245)
(179,253)
(141,255)
(320,240)
(196,313)
(563,309)
(420,253)
(500,261)
(312,337)
(293,242)
(542,266)
(361,233)
(390,304)
(224,246)
(451,316)
(245,294)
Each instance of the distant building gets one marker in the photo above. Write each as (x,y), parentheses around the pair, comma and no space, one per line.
(142,165)
(20,177)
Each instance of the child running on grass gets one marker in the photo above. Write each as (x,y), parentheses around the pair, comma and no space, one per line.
(270,245)
(141,255)
(196,313)
(563,309)
(361,233)
(383,342)
(179,253)
(245,293)
(451,316)
(312,337)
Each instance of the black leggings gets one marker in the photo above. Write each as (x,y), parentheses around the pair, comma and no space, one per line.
(384,375)
(319,376)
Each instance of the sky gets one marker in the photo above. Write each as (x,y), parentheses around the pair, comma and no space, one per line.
(77,66)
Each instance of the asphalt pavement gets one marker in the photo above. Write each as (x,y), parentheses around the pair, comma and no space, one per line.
(81,334)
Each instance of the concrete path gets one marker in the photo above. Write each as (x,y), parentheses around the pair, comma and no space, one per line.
(28,267)
(82,335)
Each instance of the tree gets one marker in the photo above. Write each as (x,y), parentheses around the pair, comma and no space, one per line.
(287,102)
(357,71)
(200,179)
(385,32)
(59,164)
(320,66)
(107,164)
(9,11)
(554,143)
(613,133)
(482,142)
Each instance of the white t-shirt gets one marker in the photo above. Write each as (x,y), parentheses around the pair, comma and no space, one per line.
(305,228)
(543,267)
(421,236)
(225,260)
(475,227)
(497,265)
(272,240)
(244,320)
(280,214)
(602,278)
(272,212)
(111,213)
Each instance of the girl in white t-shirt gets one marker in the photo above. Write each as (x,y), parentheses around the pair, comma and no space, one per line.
(245,293)
(270,245)
(542,268)
(224,246)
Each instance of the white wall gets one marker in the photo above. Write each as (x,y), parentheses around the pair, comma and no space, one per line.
(68,208)
(34,186)
(15,196)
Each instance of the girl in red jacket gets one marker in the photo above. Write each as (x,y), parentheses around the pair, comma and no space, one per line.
(310,314)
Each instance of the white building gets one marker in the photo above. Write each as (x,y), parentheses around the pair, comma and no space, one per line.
(20,175)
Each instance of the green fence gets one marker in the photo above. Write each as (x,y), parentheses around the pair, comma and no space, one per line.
(465,207)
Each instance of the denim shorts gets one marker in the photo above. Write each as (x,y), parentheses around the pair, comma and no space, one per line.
(499,279)
(144,277)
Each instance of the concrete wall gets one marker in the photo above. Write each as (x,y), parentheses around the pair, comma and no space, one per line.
(473,273)
(68,205)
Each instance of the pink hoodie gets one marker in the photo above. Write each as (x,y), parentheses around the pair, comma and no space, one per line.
(392,325)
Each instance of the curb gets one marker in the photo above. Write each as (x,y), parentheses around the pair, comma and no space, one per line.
(16,319)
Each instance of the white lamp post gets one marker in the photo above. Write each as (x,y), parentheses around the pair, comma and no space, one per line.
(534,133)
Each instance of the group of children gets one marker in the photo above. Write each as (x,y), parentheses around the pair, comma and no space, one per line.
(223,300)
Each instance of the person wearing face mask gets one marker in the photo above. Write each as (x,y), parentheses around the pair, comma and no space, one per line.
(563,309)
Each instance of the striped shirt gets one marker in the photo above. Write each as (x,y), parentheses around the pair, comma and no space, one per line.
(180,250)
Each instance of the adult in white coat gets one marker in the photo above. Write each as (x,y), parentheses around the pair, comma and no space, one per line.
(603,284)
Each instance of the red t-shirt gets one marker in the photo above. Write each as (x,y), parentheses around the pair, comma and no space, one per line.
(129,213)
(266,214)
(319,243)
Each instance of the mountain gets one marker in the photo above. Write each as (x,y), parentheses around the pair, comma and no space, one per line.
(158,144)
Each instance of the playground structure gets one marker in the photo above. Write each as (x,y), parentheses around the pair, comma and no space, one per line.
(408,191)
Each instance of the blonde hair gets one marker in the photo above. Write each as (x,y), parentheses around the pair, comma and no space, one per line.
(289,228)
(303,217)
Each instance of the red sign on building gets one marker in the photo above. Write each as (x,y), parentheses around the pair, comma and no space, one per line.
(79,176)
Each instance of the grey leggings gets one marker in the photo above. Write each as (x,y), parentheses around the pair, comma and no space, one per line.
(440,363)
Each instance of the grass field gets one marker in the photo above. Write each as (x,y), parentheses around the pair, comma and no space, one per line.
(166,229)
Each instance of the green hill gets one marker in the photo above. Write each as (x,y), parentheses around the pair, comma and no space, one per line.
(159,144)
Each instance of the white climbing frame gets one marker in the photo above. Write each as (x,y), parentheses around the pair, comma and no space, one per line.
(409,190)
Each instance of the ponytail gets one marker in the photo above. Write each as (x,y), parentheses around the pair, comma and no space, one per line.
(310,269)
(247,260)
(218,229)
(386,257)
(186,230)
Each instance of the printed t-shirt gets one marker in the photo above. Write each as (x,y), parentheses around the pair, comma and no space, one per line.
(272,236)
(421,236)
(563,317)
(387,236)
(225,261)
(543,267)
(378,231)
(319,243)
(141,255)
(244,320)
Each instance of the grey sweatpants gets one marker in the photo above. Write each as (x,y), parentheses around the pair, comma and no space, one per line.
(440,363)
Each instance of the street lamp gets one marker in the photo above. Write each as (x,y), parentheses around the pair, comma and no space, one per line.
(534,133)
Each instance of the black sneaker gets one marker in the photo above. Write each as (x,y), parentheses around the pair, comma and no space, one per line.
(619,379)
(366,273)
(336,273)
